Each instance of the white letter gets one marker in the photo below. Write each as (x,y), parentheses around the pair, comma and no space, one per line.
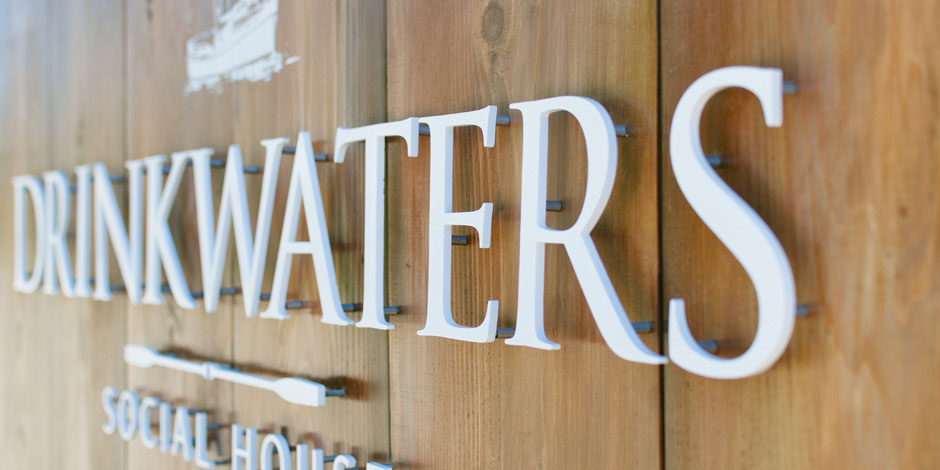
(202,436)
(233,211)
(161,250)
(244,457)
(271,443)
(303,459)
(165,427)
(378,466)
(83,230)
(440,320)
(738,227)
(127,407)
(143,420)
(601,143)
(304,186)
(344,462)
(24,281)
(107,402)
(182,435)
(318,458)
(57,211)
(109,224)
(373,297)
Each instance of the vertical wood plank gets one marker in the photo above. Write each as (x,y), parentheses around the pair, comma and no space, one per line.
(847,186)
(339,79)
(462,405)
(61,76)
(161,119)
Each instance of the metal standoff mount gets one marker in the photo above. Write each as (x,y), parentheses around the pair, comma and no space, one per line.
(803,310)
(119,178)
(622,131)
(501,120)
(248,169)
(292,304)
(292,389)
(165,289)
(554,206)
(288,149)
(319,157)
(389,310)
(709,345)
(641,327)
(213,163)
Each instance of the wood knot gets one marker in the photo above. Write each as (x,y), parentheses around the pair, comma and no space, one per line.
(493,23)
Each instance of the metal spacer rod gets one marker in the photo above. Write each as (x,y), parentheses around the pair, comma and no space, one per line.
(642,327)
(709,345)
(389,310)
(803,310)
(715,161)
(319,157)
(501,120)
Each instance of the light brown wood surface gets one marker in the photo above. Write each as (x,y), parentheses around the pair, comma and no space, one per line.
(162,120)
(463,405)
(848,186)
(338,81)
(56,112)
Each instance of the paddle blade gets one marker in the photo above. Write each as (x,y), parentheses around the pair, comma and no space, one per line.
(300,391)
(139,356)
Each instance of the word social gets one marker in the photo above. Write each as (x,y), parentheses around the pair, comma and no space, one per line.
(128,415)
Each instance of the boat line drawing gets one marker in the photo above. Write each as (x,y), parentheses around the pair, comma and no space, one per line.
(240,46)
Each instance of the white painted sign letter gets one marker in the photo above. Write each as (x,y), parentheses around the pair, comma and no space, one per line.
(24,281)
(110,224)
(374,135)
(244,456)
(736,224)
(57,210)
(601,143)
(305,187)
(161,250)
(440,320)
(83,175)
(234,214)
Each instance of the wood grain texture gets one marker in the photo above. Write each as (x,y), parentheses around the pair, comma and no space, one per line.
(462,405)
(61,75)
(847,184)
(338,80)
(162,120)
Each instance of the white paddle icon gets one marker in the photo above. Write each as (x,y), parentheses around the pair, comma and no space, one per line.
(292,389)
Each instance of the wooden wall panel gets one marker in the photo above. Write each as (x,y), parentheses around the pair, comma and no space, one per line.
(847,184)
(61,76)
(462,405)
(161,119)
(339,80)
